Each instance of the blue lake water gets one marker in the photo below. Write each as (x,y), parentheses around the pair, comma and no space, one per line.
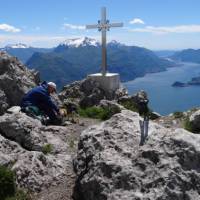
(164,98)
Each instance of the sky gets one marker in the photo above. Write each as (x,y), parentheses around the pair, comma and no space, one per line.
(153,24)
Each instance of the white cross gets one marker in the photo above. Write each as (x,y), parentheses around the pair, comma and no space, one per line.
(103,26)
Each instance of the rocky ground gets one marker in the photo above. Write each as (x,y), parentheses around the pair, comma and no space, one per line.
(111,165)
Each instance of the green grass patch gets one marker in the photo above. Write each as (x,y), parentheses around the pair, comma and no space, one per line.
(178,114)
(47,148)
(130,106)
(20,195)
(96,112)
(189,127)
(7,183)
(8,189)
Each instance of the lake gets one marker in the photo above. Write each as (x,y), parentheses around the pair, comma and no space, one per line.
(164,98)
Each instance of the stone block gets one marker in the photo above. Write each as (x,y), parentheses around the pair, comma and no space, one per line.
(109,81)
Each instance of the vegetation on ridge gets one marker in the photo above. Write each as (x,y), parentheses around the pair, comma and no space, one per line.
(96,112)
(8,189)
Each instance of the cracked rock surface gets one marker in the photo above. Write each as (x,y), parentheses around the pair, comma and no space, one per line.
(22,141)
(111,165)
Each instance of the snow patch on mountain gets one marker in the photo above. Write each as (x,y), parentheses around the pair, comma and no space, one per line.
(78,42)
(16,46)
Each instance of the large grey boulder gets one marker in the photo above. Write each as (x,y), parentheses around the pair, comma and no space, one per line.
(111,165)
(22,143)
(15,81)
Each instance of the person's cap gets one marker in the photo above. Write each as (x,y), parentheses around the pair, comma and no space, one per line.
(52,84)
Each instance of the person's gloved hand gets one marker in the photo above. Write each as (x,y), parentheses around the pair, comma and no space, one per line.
(63,112)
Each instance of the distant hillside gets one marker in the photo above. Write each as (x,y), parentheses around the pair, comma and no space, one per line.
(22,51)
(74,59)
(187,55)
(165,53)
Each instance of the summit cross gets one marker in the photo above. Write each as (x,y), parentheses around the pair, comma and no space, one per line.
(103,26)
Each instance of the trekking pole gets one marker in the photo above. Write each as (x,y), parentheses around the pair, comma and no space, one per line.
(146,126)
(142,136)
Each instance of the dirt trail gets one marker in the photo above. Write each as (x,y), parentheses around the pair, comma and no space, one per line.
(64,190)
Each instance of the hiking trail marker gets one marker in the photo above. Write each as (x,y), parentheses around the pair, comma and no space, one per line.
(108,81)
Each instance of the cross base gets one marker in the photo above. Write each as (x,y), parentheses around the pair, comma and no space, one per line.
(109,81)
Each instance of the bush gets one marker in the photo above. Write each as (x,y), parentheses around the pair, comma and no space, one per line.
(178,114)
(7,183)
(130,106)
(47,148)
(8,187)
(189,127)
(95,112)
(20,195)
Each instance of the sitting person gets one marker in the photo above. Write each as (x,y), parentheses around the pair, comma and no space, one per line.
(38,102)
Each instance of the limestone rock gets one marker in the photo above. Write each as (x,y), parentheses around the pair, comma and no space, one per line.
(15,81)
(14,109)
(22,140)
(112,106)
(88,93)
(111,165)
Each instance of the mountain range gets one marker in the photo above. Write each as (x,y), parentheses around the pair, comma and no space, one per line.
(187,55)
(23,51)
(75,58)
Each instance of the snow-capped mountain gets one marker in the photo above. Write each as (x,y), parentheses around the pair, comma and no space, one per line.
(16,46)
(80,42)
(115,43)
(22,51)
(75,58)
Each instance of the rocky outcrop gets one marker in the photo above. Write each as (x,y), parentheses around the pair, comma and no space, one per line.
(137,102)
(88,93)
(39,155)
(15,81)
(110,163)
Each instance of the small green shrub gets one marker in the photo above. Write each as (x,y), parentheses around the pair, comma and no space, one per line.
(130,106)
(189,127)
(7,182)
(194,109)
(72,143)
(20,195)
(47,148)
(178,114)
(95,112)
(152,115)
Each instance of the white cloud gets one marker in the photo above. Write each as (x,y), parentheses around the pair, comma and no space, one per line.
(9,28)
(74,27)
(169,29)
(137,21)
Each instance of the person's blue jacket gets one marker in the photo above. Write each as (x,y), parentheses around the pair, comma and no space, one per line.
(40,97)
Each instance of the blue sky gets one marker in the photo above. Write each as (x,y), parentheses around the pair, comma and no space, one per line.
(154,24)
